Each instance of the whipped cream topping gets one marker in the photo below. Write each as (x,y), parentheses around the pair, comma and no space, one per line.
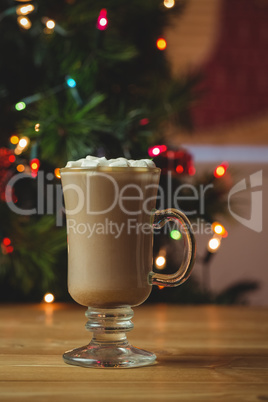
(93,161)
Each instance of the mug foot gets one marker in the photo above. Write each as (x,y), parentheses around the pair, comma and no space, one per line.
(121,356)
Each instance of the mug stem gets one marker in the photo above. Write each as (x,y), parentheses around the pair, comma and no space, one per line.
(109,346)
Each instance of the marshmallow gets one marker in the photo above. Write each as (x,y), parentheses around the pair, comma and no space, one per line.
(93,161)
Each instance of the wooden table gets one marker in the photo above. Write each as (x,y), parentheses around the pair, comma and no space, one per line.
(206,353)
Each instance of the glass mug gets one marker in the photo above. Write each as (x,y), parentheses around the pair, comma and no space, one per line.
(110,214)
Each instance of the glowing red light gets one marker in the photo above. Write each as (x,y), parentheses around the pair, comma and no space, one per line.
(6,241)
(9,249)
(144,121)
(220,171)
(179,169)
(35,164)
(156,150)
(225,234)
(191,170)
(12,158)
(102,21)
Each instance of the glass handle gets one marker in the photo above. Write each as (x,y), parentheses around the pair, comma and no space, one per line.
(176,279)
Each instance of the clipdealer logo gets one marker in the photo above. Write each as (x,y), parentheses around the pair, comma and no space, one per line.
(54,199)
(255,220)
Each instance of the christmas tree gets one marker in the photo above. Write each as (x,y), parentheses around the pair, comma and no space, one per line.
(78,78)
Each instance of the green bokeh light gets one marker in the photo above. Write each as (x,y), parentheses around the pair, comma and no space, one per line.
(20,106)
(175,235)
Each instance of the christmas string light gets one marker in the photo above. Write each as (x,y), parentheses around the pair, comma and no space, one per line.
(6,246)
(144,122)
(220,170)
(20,106)
(20,168)
(179,169)
(23,142)
(6,241)
(175,234)
(22,145)
(102,21)
(214,244)
(14,139)
(169,3)
(161,43)
(57,173)
(156,150)
(12,158)
(191,170)
(49,298)
(71,82)
(25,9)
(34,165)
(75,94)
(37,127)
(24,22)
(219,229)
(50,24)
(160,260)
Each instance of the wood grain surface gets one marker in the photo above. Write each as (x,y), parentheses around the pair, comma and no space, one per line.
(205,353)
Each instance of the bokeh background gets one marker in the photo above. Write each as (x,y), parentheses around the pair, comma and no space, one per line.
(184,82)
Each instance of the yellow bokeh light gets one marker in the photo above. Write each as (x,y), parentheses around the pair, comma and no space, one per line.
(24,10)
(23,143)
(34,166)
(37,127)
(161,43)
(18,151)
(160,262)
(57,173)
(214,244)
(50,24)
(218,228)
(169,3)
(14,139)
(20,168)
(24,22)
(49,298)
(220,171)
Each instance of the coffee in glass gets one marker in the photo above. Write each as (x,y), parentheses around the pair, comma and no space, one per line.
(110,214)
